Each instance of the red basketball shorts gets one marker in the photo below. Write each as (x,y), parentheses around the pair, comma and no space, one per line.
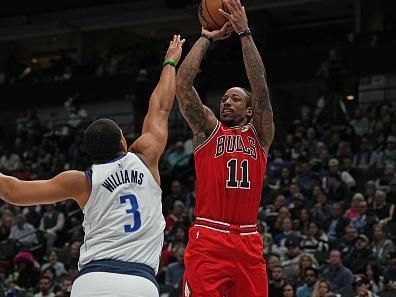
(224,264)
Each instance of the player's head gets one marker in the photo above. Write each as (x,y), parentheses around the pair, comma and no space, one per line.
(104,141)
(236,107)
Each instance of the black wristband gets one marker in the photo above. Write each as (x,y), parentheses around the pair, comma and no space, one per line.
(206,35)
(244,33)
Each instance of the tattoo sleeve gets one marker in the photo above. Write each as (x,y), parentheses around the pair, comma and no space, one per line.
(195,113)
(262,110)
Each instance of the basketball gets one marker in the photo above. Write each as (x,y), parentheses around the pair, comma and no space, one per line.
(209,15)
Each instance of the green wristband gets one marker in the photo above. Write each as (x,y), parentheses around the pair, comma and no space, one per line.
(169,62)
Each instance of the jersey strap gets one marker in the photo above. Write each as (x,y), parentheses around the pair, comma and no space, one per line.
(120,267)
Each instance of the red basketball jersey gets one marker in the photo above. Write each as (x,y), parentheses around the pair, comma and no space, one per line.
(230,167)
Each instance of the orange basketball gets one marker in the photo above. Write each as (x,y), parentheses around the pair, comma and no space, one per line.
(209,15)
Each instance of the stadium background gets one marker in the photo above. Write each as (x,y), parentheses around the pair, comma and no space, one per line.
(332,76)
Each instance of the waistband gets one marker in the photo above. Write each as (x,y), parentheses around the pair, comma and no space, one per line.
(225,227)
(121,267)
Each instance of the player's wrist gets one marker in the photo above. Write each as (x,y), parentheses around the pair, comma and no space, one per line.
(170,62)
(245,32)
(207,37)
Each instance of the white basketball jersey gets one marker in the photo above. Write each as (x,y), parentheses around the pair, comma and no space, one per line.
(123,216)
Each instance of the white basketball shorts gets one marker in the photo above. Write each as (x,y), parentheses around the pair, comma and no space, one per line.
(105,284)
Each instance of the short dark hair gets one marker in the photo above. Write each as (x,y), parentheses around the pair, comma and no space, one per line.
(313,269)
(102,140)
(248,98)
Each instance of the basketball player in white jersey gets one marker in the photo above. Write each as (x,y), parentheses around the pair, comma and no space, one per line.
(120,197)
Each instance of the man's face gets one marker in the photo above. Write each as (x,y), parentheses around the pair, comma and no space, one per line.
(310,278)
(44,285)
(233,107)
(335,258)
(277,274)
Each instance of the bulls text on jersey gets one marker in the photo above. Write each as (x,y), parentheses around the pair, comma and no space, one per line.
(234,143)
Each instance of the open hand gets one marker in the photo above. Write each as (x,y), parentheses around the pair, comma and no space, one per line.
(175,49)
(236,16)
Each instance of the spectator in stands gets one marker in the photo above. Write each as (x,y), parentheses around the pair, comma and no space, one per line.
(321,289)
(292,257)
(175,271)
(44,286)
(390,273)
(382,209)
(315,241)
(176,193)
(383,182)
(175,217)
(50,273)
(360,123)
(366,157)
(338,191)
(306,260)
(361,285)
(10,162)
(310,276)
(374,277)
(360,221)
(176,155)
(388,155)
(53,262)
(382,247)
(26,273)
(353,211)
(273,260)
(51,224)
(391,195)
(360,255)
(24,233)
(335,225)
(321,211)
(277,281)
(288,290)
(339,276)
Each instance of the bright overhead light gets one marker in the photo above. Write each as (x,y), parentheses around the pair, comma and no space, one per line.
(350,97)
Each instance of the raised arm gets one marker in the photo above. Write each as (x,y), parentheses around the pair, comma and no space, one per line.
(199,117)
(67,185)
(262,110)
(151,144)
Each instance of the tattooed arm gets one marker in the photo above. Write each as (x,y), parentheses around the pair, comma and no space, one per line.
(200,118)
(262,110)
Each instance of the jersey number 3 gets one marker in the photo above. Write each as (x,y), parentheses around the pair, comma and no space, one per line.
(233,181)
(134,211)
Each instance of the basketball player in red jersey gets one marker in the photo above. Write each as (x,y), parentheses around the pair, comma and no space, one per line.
(224,256)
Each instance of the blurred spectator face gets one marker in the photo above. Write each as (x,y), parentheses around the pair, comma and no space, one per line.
(313,229)
(19,220)
(305,261)
(357,198)
(311,134)
(178,208)
(370,188)
(285,172)
(304,215)
(280,201)
(391,142)
(360,244)
(336,210)
(305,168)
(379,198)
(179,255)
(362,208)
(362,288)
(284,213)
(293,250)
(277,274)
(53,257)
(351,233)
(348,164)
(272,261)
(44,284)
(310,277)
(286,225)
(322,198)
(290,139)
(66,285)
(75,248)
(288,290)
(180,235)
(392,264)
(176,187)
(378,232)
(293,189)
(49,274)
(335,258)
(316,191)
(323,288)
